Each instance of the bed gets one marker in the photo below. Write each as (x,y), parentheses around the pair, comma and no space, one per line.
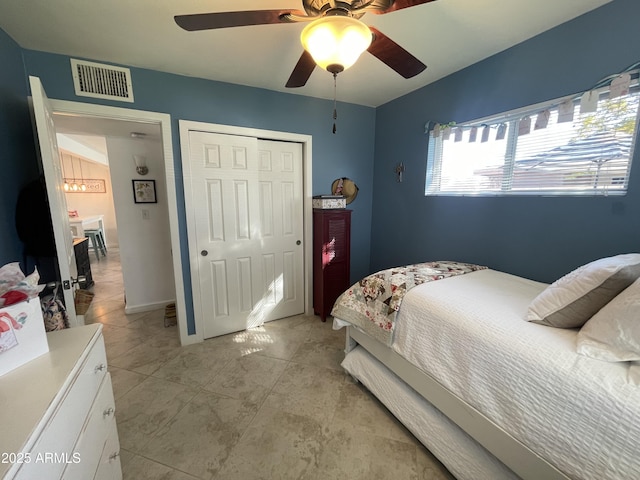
(490,394)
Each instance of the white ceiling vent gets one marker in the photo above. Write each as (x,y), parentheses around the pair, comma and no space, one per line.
(101,81)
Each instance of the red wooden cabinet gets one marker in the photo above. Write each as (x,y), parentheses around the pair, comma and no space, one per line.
(331,258)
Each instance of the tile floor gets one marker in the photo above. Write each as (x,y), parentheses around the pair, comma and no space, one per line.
(268,403)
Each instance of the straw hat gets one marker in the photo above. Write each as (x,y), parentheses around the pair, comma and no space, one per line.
(345,186)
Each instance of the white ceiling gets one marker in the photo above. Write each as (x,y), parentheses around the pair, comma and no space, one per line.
(446,35)
(95,129)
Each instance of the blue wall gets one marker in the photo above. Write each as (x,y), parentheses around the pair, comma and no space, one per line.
(17,151)
(537,237)
(348,153)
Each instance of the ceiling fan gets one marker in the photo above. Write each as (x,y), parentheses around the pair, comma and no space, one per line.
(338,16)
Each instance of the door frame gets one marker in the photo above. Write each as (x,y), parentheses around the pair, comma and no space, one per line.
(185,126)
(164,121)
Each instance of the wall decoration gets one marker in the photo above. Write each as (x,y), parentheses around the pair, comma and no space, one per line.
(144,191)
(93,185)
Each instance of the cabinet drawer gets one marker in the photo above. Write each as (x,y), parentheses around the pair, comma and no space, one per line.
(94,434)
(109,467)
(54,448)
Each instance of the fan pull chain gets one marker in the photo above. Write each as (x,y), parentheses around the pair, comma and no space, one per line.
(335,110)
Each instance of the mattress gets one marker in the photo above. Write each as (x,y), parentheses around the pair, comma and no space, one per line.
(469,333)
(464,458)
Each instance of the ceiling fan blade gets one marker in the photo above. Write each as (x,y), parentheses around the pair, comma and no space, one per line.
(392,54)
(208,21)
(400,4)
(302,71)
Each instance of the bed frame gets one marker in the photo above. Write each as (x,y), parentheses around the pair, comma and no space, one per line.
(520,459)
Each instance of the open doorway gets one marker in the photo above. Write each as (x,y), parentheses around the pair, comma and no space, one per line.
(139,240)
(44,112)
(103,157)
(89,195)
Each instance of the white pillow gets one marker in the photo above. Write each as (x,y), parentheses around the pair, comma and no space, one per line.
(573,299)
(633,377)
(613,334)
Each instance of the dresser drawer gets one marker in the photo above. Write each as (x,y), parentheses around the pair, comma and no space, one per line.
(109,467)
(53,450)
(94,434)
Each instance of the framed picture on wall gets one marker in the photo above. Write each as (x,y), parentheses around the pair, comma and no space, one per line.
(144,191)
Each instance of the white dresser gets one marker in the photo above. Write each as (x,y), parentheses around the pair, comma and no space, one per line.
(57,412)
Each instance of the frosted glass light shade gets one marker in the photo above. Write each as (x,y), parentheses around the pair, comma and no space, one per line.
(141,164)
(335,42)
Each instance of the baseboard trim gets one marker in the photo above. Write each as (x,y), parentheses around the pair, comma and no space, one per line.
(128,309)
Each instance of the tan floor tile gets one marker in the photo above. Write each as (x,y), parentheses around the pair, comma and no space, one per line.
(197,365)
(267,341)
(320,354)
(140,468)
(100,307)
(199,438)
(121,348)
(323,332)
(348,452)
(148,356)
(280,343)
(277,445)
(114,334)
(118,340)
(109,290)
(115,316)
(150,324)
(146,408)
(297,323)
(359,408)
(125,457)
(246,342)
(248,378)
(307,390)
(124,380)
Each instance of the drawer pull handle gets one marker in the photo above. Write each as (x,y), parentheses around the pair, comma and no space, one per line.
(113,456)
(108,412)
(100,368)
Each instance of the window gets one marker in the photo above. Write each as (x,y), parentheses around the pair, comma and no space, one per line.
(548,149)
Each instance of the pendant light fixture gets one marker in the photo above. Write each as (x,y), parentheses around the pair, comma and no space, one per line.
(83,186)
(64,175)
(74,185)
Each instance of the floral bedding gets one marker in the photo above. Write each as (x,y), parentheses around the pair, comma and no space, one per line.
(373,302)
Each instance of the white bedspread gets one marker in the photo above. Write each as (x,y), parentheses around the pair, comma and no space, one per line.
(469,332)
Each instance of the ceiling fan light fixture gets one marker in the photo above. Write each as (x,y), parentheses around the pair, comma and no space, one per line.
(336,41)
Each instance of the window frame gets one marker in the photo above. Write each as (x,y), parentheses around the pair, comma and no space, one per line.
(433,180)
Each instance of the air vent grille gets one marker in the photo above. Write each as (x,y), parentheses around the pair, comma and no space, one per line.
(101,81)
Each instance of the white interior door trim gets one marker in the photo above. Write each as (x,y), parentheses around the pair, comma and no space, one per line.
(164,120)
(185,126)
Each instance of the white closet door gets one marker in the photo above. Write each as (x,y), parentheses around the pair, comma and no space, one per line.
(247,246)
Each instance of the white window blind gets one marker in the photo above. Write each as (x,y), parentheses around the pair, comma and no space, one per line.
(548,149)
